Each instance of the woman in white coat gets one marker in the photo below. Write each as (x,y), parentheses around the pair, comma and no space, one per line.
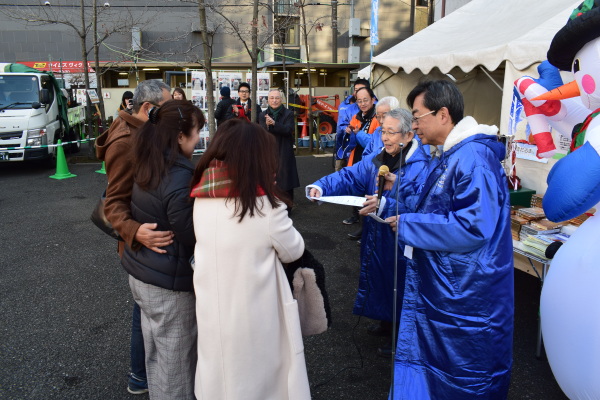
(250,344)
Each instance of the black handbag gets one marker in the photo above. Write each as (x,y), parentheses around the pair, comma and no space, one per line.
(99,219)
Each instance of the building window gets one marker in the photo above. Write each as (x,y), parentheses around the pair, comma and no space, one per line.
(287,31)
(422,3)
(285,7)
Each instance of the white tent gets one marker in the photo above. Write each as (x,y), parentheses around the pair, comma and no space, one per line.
(485,46)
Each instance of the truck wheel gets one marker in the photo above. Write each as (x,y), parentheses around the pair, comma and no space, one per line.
(72,136)
(327,125)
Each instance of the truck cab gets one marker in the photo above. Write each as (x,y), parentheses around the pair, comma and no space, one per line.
(33,115)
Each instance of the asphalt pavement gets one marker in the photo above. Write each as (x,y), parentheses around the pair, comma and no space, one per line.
(65,303)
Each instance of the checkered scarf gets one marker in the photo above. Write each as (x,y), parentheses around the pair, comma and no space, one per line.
(215,182)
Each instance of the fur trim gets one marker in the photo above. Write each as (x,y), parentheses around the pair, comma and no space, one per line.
(413,148)
(467,127)
(307,281)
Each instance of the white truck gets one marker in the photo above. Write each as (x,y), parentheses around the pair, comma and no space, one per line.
(34,115)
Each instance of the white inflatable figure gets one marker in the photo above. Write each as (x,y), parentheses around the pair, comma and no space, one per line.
(570,302)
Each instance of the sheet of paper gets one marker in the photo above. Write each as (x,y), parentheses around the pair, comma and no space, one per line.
(376,218)
(408,250)
(343,200)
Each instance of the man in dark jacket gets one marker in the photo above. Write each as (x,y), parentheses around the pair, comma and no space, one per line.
(243,105)
(221,113)
(279,121)
(114,147)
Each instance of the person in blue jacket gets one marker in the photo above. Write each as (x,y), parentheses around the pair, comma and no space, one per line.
(374,143)
(404,157)
(347,109)
(456,323)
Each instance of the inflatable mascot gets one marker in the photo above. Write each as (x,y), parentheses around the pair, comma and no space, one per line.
(570,302)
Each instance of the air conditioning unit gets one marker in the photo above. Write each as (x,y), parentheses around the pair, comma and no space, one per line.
(353,54)
(354,27)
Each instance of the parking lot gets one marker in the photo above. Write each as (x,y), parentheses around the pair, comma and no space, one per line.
(65,302)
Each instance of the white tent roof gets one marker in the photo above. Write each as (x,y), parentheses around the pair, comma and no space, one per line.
(482,32)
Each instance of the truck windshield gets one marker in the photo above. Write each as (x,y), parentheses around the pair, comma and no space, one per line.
(18,91)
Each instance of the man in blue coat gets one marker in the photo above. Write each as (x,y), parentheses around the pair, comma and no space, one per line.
(347,109)
(456,324)
(404,157)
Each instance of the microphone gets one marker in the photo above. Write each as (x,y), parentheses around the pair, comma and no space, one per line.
(381,174)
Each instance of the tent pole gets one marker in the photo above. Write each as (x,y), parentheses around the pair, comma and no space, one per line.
(492,79)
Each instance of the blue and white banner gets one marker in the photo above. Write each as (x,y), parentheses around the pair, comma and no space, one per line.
(374,22)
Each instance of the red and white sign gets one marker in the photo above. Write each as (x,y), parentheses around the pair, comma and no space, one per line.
(66,67)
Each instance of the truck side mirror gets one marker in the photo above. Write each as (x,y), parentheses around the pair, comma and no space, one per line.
(45,96)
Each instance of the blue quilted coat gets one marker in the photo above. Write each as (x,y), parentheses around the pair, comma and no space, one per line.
(375,289)
(456,324)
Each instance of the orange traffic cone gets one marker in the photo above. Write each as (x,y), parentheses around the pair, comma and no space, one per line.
(62,170)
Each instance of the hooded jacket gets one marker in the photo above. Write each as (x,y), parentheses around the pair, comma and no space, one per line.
(456,325)
(346,111)
(375,288)
(114,148)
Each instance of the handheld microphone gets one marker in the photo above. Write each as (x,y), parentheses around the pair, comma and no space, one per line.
(381,174)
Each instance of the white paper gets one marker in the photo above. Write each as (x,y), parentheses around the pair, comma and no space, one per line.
(343,200)
(408,252)
(378,219)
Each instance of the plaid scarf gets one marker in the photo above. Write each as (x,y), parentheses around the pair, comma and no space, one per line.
(215,182)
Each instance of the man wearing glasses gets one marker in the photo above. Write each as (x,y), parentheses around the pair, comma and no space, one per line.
(114,147)
(347,109)
(456,325)
(279,121)
(243,105)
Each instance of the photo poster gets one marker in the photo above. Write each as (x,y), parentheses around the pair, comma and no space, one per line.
(199,89)
(81,97)
(264,84)
(224,80)
(519,128)
(234,84)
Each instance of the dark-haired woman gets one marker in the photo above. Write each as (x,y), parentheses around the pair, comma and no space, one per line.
(162,284)
(126,103)
(178,94)
(251,344)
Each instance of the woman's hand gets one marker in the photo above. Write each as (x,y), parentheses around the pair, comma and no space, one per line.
(314,193)
(369,206)
(390,178)
(393,222)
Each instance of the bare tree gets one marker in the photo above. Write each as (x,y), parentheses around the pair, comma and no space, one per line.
(83,20)
(207,65)
(253,34)
(306,28)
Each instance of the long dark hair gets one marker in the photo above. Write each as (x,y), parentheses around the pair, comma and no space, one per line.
(127,95)
(156,145)
(249,153)
(180,91)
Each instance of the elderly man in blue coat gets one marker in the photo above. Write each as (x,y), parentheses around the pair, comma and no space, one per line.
(404,157)
(456,324)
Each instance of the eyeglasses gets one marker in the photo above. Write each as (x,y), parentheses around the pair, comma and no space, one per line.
(382,115)
(386,133)
(243,91)
(415,120)
(363,101)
